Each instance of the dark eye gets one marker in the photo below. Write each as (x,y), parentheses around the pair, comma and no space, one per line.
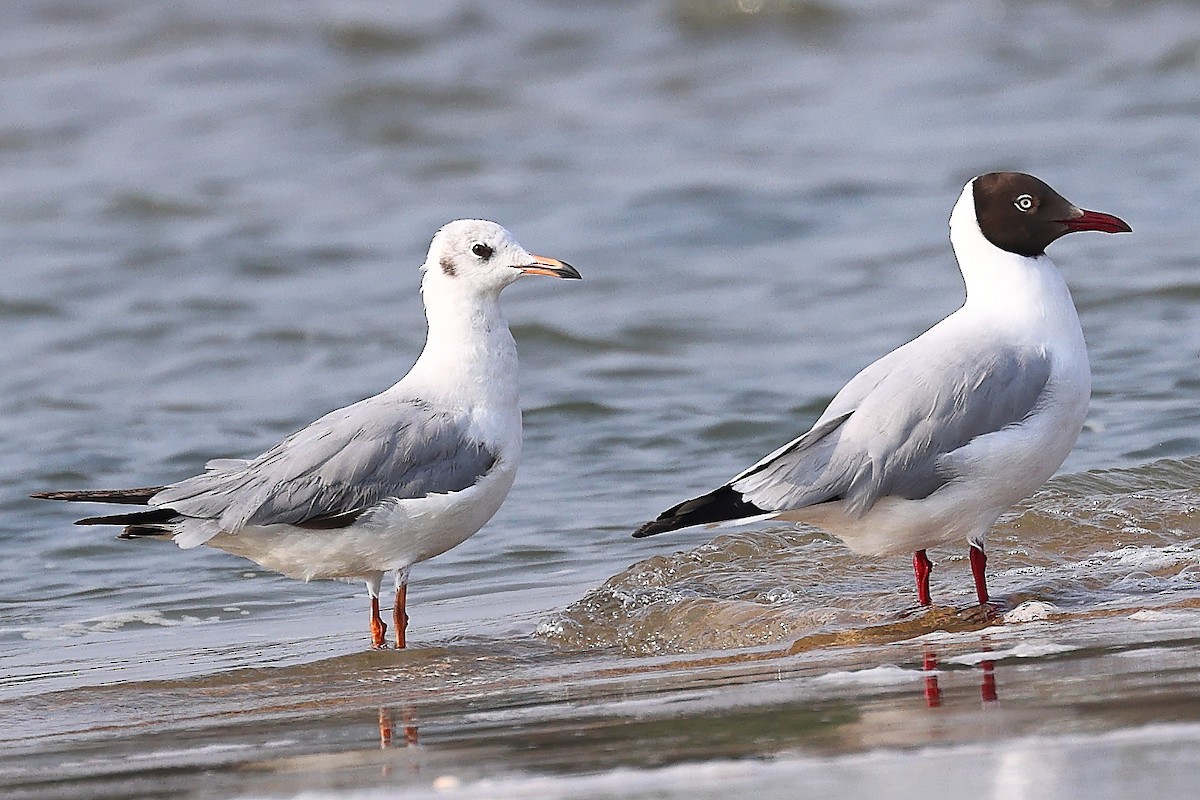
(482,250)
(1024,203)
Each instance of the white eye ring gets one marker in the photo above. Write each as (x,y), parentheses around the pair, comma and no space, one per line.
(1024,203)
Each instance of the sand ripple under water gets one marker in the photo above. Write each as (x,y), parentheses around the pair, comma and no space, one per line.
(1094,543)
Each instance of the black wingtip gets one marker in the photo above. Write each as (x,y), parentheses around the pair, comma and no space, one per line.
(142,531)
(651,528)
(150,516)
(139,496)
(719,505)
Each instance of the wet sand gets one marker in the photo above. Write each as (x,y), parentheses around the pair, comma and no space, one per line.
(769,661)
(1098,704)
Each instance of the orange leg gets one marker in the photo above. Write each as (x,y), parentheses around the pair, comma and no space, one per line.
(378,628)
(400,615)
(385,728)
(411,735)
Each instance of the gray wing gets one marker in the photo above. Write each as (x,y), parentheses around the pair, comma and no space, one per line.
(888,432)
(337,467)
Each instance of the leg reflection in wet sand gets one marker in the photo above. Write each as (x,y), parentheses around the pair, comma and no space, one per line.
(933,692)
(409,726)
(408,723)
(385,728)
(987,684)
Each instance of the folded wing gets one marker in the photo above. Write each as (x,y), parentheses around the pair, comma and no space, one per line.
(897,439)
(336,468)
(890,432)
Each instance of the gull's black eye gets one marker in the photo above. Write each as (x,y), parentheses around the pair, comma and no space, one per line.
(1025,203)
(482,250)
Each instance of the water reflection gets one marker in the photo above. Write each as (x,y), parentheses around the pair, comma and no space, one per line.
(408,724)
(409,738)
(933,692)
(987,684)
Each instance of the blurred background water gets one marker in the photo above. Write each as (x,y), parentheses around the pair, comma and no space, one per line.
(211,218)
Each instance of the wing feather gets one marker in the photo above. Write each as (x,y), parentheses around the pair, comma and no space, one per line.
(891,429)
(337,467)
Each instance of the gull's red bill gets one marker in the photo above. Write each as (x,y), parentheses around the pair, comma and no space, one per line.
(1097,221)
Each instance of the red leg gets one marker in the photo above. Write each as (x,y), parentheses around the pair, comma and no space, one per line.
(978,562)
(400,615)
(933,694)
(987,686)
(378,629)
(922,566)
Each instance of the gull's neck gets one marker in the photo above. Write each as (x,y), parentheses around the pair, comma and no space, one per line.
(1015,291)
(469,360)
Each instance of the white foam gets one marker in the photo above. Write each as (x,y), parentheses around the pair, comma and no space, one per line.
(780,595)
(107,623)
(1149,653)
(1023,650)
(550,628)
(939,636)
(1148,558)
(883,675)
(1031,611)
(1156,615)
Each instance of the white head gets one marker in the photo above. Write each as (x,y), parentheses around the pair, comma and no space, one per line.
(482,257)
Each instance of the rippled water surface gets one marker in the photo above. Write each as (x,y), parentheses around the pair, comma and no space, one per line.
(211,216)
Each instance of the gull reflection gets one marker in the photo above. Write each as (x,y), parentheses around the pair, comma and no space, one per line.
(408,724)
(408,732)
(933,692)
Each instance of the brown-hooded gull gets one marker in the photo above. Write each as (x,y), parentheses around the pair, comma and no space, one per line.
(932,442)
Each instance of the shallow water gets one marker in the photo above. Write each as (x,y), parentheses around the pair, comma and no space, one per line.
(212,215)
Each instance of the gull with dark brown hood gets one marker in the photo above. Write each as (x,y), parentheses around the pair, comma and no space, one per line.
(927,446)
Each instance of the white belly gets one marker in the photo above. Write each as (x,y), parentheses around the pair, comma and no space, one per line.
(392,536)
(992,473)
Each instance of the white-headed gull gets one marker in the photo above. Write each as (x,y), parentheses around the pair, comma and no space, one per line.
(389,481)
(932,442)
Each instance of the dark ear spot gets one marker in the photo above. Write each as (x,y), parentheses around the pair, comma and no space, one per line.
(448,266)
